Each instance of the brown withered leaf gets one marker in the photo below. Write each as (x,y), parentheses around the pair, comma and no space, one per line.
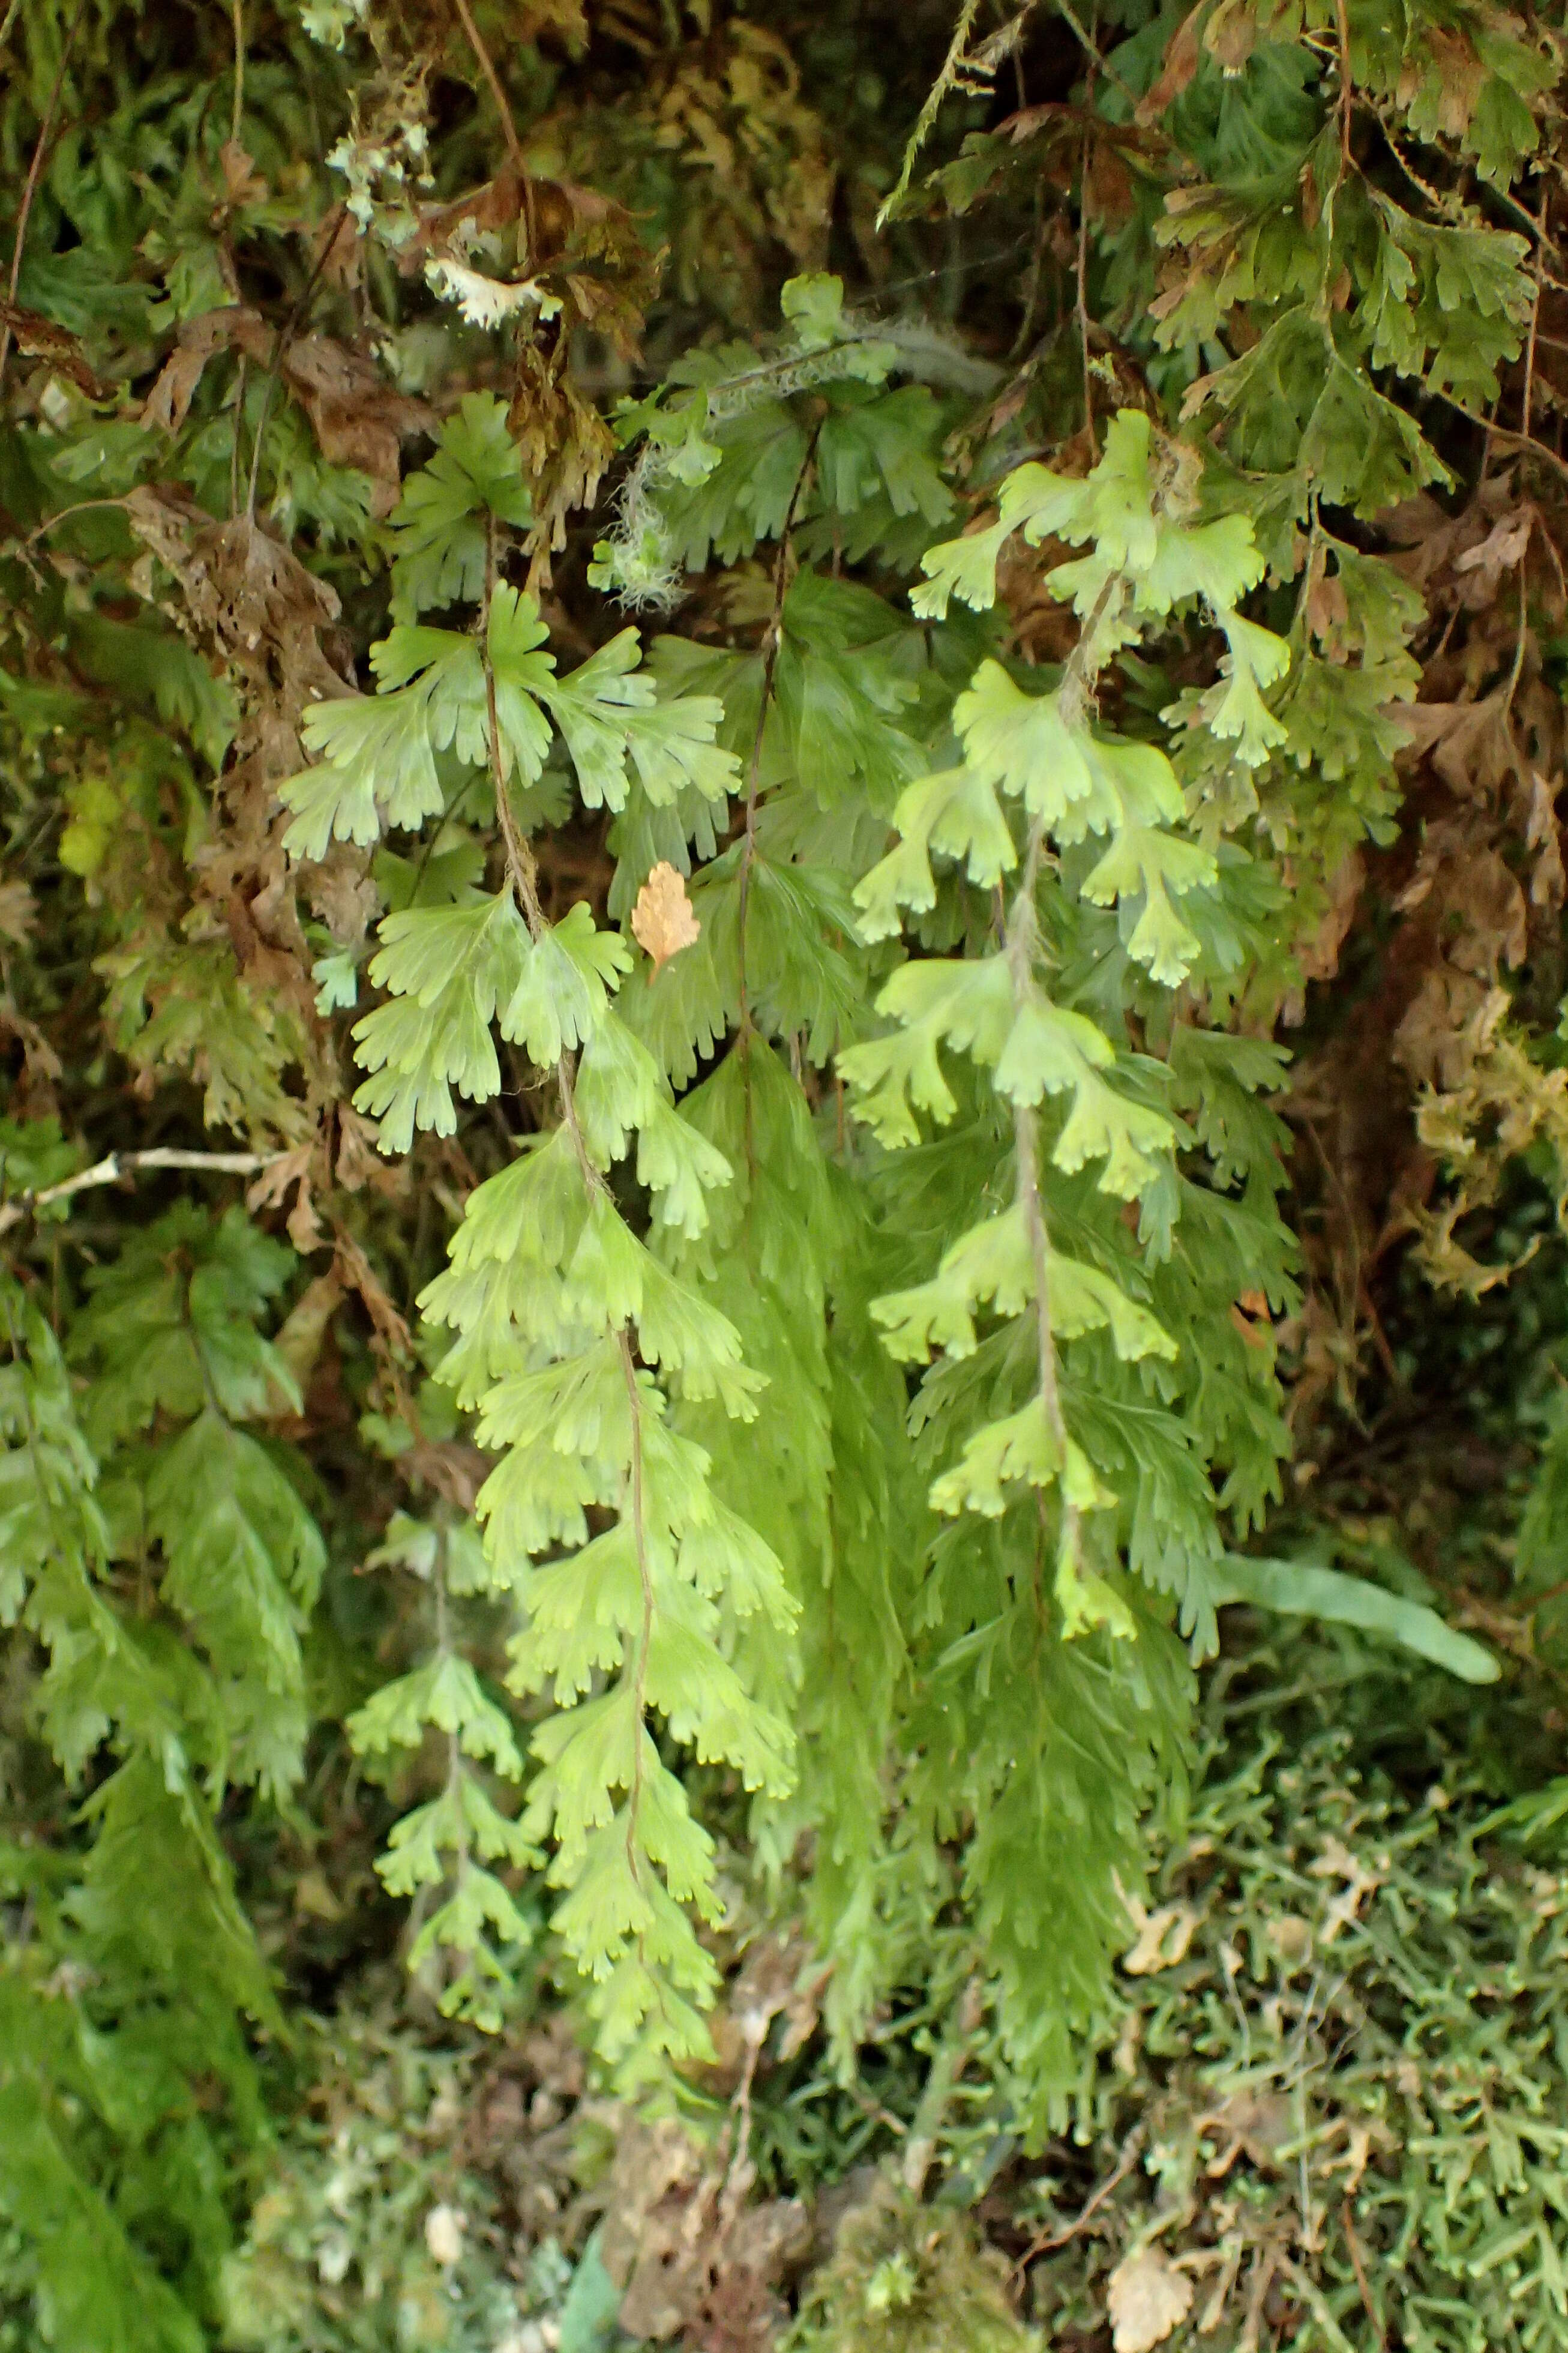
(662,920)
(41,339)
(234,327)
(1452,68)
(1543,834)
(1231,35)
(1437,1038)
(360,1276)
(1488,899)
(690,2259)
(1181,59)
(1318,957)
(304,1329)
(357,418)
(358,1160)
(564,445)
(269,1189)
(1328,610)
(1257,2124)
(1503,547)
(1469,742)
(243,184)
(341,893)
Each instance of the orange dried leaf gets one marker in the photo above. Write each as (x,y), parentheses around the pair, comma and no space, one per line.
(662,920)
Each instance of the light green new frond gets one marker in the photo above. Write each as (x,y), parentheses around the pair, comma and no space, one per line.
(1024,745)
(1040,503)
(709,1709)
(955,813)
(1084,1299)
(562,990)
(588,1756)
(1234,707)
(438,532)
(678,1330)
(440,671)
(628,1934)
(1048,1049)
(592,707)
(447,968)
(1075,782)
(445,1695)
(530,1215)
(1142,860)
(968,1006)
(1118,513)
(605,1275)
(965,568)
(725,1554)
(990,1263)
(681,1168)
(674,749)
(423,1844)
(581,1613)
(1133,1140)
(607,713)
(478,1909)
(1019,1450)
(377,751)
(1217,562)
(376,769)
(1086,1600)
(577,1407)
(522,677)
(619,1089)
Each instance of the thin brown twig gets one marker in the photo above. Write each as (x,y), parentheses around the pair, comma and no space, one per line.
(1046,2241)
(1092,49)
(35,173)
(237,113)
(1528,395)
(1523,441)
(487,67)
(82,506)
(1359,2267)
(116,1164)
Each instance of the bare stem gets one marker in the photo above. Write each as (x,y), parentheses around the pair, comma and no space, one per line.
(116,1164)
(487,67)
(238,115)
